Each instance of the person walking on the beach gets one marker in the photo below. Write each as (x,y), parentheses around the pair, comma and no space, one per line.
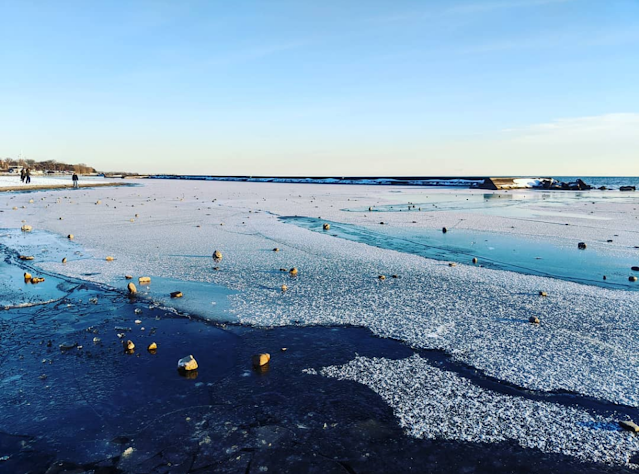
(27,175)
(75,180)
(22,173)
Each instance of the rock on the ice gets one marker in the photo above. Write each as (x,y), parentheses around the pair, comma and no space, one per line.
(260,360)
(629,426)
(187,363)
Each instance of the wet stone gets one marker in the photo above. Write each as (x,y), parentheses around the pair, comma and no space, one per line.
(187,363)
(629,426)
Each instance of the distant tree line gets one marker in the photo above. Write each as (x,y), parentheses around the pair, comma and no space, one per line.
(47,165)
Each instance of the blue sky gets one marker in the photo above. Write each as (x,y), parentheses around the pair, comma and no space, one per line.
(327,87)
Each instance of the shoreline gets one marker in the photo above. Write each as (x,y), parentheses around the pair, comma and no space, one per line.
(46,187)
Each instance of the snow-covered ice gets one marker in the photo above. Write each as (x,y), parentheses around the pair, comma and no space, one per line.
(434,403)
(586,342)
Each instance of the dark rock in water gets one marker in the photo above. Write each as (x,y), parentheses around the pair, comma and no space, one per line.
(602,188)
(627,188)
(444,230)
(634,269)
(578,185)
(604,277)
(609,241)
(581,245)
(629,426)
(176,294)
(65,346)
(582,186)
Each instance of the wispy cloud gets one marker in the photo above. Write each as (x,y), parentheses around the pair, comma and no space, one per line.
(508,4)
(607,126)
(465,9)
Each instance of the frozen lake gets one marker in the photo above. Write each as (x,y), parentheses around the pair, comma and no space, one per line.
(475,314)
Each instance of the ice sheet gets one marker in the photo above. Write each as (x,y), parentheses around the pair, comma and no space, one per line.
(586,342)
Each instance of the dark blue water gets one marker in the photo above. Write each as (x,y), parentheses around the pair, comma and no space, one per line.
(609,181)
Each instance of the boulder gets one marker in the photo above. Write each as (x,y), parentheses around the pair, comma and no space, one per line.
(474,259)
(109,259)
(187,363)
(284,288)
(326,227)
(543,293)
(26,228)
(444,230)
(144,280)
(381,277)
(634,269)
(581,245)
(70,236)
(260,360)
(627,188)
(632,278)
(128,277)
(132,289)
(25,257)
(276,249)
(64,260)
(533,320)
(152,347)
(128,345)
(176,294)
(27,276)
(293,271)
(35,280)
(217,255)
(394,276)
(452,264)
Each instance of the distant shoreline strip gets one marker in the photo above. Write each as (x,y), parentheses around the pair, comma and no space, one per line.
(43,187)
